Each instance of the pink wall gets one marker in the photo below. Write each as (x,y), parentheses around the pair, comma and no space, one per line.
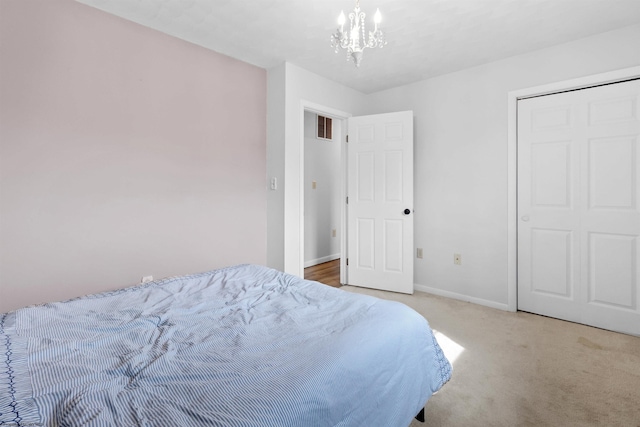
(123,153)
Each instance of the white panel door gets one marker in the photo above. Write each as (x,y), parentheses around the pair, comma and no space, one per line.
(380,208)
(578,213)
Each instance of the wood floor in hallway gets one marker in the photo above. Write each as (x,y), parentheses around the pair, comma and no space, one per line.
(327,273)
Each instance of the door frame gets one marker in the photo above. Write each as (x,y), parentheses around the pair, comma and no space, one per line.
(343,116)
(512,156)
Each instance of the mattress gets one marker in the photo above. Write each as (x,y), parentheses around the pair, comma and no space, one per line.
(240,346)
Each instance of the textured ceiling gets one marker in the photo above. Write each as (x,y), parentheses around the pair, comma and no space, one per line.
(426,38)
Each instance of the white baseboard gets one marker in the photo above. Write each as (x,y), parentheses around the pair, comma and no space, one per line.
(461,297)
(321,260)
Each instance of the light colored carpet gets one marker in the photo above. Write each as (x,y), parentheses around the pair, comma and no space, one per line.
(521,369)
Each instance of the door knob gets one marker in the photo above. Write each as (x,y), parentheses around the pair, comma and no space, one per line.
(407,211)
(525,218)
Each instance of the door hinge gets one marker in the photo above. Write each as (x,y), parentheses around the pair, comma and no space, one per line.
(347,199)
(347,138)
(347,261)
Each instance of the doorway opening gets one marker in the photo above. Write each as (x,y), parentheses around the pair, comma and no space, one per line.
(378,234)
(322,196)
(338,135)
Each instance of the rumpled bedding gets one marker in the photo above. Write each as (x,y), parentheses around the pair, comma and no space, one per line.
(240,346)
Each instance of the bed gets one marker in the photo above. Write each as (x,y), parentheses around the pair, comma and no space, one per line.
(239,346)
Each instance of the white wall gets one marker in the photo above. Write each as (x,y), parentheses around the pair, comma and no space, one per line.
(285,138)
(322,205)
(461,157)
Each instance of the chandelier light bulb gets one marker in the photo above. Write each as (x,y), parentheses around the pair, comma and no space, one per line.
(341,18)
(377,18)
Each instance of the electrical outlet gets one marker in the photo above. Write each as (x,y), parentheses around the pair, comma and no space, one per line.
(146,279)
(419,253)
(314,185)
(333,233)
(457,259)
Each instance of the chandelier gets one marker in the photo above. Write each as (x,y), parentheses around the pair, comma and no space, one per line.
(354,40)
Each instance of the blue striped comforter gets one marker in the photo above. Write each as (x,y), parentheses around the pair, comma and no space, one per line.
(240,346)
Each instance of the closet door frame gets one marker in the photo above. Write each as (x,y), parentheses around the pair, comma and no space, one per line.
(512,229)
